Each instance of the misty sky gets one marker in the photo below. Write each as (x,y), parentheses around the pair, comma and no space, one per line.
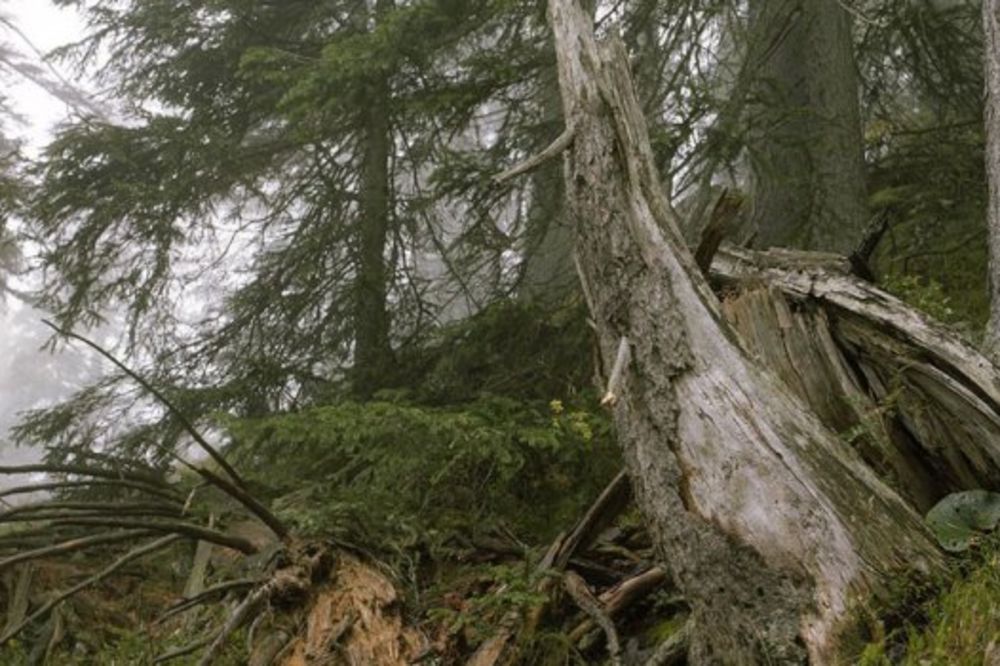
(28,376)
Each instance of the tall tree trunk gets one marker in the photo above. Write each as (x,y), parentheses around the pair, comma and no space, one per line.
(548,275)
(991,31)
(372,350)
(772,526)
(805,136)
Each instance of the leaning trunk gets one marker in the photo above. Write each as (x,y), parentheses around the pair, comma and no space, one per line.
(774,529)
(372,352)
(991,30)
(805,127)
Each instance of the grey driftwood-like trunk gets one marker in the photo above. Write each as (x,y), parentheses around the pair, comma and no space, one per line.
(773,527)
(991,115)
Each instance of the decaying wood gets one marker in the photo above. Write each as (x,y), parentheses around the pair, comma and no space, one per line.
(199,567)
(724,214)
(921,405)
(577,588)
(622,596)
(991,116)
(18,584)
(356,615)
(609,505)
(772,526)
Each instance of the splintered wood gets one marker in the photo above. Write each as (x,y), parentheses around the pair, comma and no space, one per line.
(355,619)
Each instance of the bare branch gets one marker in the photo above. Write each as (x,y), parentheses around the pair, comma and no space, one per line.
(115,508)
(212,452)
(235,621)
(44,610)
(206,595)
(181,651)
(577,588)
(562,142)
(171,526)
(234,487)
(168,496)
(74,545)
(81,470)
(609,505)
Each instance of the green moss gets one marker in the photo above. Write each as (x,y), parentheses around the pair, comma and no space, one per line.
(666,628)
(957,627)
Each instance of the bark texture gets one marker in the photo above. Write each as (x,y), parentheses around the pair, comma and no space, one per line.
(772,526)
(372,350)
(991,32)
(805,134)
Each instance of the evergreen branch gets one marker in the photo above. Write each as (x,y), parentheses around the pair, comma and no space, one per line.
(116,483)
(186,424)
(46,608)
(234,488)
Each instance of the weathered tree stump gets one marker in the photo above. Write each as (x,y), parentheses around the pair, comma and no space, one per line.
(774,528)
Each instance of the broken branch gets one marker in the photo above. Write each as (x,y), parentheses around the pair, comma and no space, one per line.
(44,610)
(554,149)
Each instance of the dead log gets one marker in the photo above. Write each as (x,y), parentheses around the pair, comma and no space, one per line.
(773,527)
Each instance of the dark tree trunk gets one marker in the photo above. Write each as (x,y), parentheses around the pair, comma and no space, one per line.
(548,275)
(772,526)
(372,349)
(805,127)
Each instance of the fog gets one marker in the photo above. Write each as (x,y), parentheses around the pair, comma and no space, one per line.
(29,376)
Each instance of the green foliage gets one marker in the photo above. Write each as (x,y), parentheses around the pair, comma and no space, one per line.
(504,588)
(509,349)
(926,294)
(412,471)
(958,627)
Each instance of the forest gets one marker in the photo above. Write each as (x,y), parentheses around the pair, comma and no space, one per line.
(494,332)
